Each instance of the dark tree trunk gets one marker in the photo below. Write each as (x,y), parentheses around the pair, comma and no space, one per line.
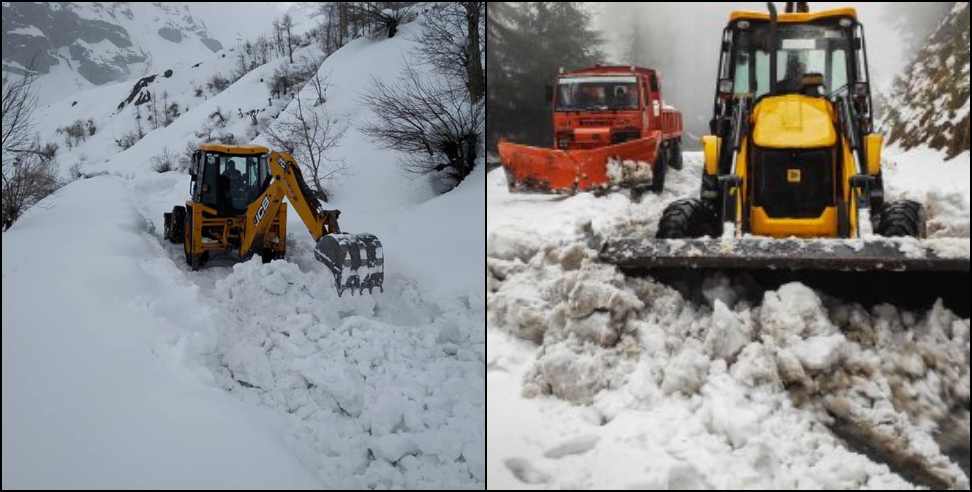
(474,68)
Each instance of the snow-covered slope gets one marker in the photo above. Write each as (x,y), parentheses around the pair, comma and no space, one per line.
(598,380)
(79,45)
(369,391)
(929,102)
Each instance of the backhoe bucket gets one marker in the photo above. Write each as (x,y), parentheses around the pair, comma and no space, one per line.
(902,271)
(356,260)
(535,169)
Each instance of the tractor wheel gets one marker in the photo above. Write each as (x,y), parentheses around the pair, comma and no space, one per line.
(902,218)
(676,155)
(175,227)
(687,218)
(661,169)
(167,226)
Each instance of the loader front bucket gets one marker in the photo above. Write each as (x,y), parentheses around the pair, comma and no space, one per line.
(901,271)
(535,169)
(356,260)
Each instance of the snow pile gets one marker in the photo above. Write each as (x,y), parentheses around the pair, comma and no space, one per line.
(690,391)
(603,381)
(375,404)
(96,391)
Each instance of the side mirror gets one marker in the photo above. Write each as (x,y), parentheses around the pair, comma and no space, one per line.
(725,88)
(548,94)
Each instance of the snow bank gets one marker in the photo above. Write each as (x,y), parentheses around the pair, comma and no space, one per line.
(94,390)
(646,389)
(758,389)
(374,404)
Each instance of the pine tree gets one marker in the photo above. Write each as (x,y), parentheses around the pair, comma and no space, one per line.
(527,45)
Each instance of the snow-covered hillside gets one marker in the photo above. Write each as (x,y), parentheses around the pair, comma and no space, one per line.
(598,380)
(929,102)
(121,367)
(80,45)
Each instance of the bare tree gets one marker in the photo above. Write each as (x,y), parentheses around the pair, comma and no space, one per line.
(453,43)
(320,88)
(29,172)
(287,24)
(431,121)
(19,102)
(27,179)
(310,134)
(386,16)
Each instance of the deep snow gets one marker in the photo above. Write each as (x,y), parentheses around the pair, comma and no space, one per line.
(596,380)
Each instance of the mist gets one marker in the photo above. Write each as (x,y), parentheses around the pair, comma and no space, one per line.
(688,59)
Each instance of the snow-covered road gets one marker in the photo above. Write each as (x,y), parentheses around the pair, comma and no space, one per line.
(596,380)
(122,367)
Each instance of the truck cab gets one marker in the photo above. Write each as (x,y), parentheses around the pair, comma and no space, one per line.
(603,106)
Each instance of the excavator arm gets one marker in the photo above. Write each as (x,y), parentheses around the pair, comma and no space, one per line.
(355,260)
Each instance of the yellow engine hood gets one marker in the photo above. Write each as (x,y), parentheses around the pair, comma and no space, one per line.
(794,121)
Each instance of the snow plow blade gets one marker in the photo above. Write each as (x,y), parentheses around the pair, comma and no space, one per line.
(901,272)
(356,260)
(541,170)
(780,254)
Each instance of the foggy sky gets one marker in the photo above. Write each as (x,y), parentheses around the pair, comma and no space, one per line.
(697,46)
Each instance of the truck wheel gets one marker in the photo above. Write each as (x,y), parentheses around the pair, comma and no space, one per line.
(177,224)
(167,226)
(902,218)
(661,169)
(687,218)
(677,155)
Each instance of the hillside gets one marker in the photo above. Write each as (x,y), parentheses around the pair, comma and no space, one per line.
(929,102)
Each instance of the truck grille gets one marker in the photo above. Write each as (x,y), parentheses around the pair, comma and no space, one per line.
(589,122)
(780,195)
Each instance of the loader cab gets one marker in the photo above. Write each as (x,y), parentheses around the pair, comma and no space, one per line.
(820,54)
(792,150)
(229,178)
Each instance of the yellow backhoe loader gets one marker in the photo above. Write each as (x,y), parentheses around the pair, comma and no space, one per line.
(792,175)
(236,206)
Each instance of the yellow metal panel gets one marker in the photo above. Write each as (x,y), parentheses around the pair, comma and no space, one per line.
(850,169)
(873,142)
(794,121)
(234,149)
(795,17)
(823,226)
(710,147)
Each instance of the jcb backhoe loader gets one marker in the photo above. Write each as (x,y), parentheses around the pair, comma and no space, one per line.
(236,205)
(792,168)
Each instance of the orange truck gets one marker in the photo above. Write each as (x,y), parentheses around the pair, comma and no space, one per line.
(612,129)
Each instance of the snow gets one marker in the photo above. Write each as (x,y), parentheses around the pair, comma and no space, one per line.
(92,395)
(647,389)
(136,371)
(26,31)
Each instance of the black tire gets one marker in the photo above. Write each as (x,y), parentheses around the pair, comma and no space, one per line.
(676,155)
(177,224)
(167,226)
(687,218)
(661,169)
(902,218)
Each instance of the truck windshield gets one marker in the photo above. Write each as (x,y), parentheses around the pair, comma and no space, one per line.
(597,93)
(801,49)
(235,180)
